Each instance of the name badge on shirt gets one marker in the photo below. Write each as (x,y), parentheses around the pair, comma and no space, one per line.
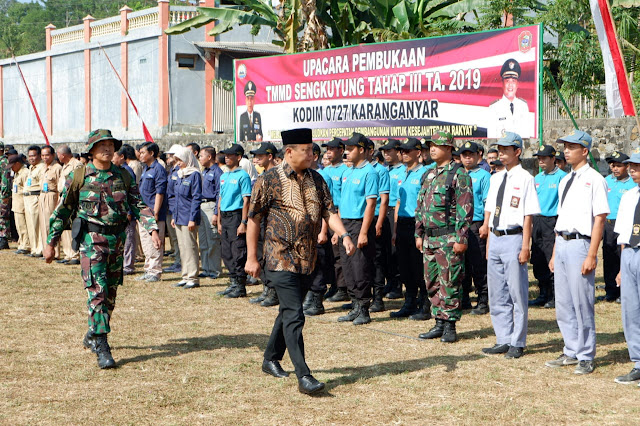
(45,187)
(515,202)
(186,182)
(29,182)
(15,188)
(174,177)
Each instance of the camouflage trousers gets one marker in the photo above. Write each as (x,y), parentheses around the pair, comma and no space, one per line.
(5,215)
(443,272)
(101,258)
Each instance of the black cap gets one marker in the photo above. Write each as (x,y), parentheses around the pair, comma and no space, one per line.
(616,157)
(492,150)
(370,144)
(469,147)
(357,139)
(296,136)
(250,88)
(316,149)
(425,142)
(334,143)
(560,156)
(480,148)
(456,153)
(411,144)
(391,144)
(496,163)
(265,148)
(510,69)
(235,149)
(546,151)
(13,159)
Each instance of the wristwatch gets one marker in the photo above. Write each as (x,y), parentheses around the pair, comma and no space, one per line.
(244,221)
(346,234)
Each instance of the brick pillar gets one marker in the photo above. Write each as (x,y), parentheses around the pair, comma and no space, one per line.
(209,73)
(124,66)
(163,64)
(87,73)
(48,30)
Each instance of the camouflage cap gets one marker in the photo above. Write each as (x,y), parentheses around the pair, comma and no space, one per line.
(442,138)
(102,135)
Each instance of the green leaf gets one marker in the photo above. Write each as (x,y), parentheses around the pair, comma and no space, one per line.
(227,19)
(454,9)
(402,15)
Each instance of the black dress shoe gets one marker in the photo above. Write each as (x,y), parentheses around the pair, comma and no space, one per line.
(551,304)
(73,262)
(62,261)
(514,352)
(274,369)
(538,301)
(309,385)
(496,349)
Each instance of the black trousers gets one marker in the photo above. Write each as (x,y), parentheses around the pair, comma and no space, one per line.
(233,247)
(475,264)
(383,255)
(393,258)
(287,329)
(610,259)
(358,269)
(410,262)
(337,263)
(543,238)
(323,273)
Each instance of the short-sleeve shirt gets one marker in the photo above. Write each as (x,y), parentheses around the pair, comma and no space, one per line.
(616,189)
(408,191)
(396,174)
(294,209)
(624,223)
(327,179)
(520,198)
(211,182)
(547,189)
(585,199)
(154,181)
(383,183)
(234,185)
(480,179)
(358,185)
(335,173)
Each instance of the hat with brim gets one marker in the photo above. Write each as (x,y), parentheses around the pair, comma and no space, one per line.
(235,149)
(391,144)
(13,159)
(102,135)
(316,149)
(442,138)
(410,145)
(616,157)
(175,148)
(370,144)
(496,163)
(357,139)
(546,151)
(579,137)
(468,147)
(635,159)
(560,156)
(334,143)
(265,148)
(510,139)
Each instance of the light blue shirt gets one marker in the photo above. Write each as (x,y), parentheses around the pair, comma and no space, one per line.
(480,181)
(408,191)
(383,183)
(615,190)
(358,185)
(396,175)
(547,185)
(335,173)
(327,179)
(233,187)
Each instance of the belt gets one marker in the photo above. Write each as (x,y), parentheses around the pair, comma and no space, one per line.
(28,193)
(514,231)
(208,200)
(106,229)
(439,232)
(567,236)
(230,213)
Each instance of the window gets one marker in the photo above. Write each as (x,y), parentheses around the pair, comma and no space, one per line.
(186,60)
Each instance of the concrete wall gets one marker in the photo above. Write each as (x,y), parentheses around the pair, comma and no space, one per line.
(143,85)
(105,89)
(20,124)
(68,94)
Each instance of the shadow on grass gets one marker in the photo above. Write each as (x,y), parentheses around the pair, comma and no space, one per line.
(176,347)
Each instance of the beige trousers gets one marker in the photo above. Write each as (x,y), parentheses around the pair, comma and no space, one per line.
(23,234)
(189,253)
(152,256)
(46,205)
(65,240)
(32,215)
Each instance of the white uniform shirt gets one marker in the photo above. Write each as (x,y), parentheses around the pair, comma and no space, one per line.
(520,198)
(626,212)
(586,199)
(521,121)
(248,167)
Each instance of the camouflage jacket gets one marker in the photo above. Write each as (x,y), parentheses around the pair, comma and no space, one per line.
(5,178)
(431,210)
(102,200)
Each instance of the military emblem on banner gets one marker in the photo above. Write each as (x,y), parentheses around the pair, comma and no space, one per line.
(524,41)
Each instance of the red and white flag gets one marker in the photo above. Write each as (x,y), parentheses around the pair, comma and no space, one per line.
(619,101)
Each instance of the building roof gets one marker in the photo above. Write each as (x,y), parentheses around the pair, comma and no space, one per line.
(241,47)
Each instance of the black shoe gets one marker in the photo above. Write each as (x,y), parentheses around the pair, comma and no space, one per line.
(409,308)
(551,304)
(307,300)
(514,352)
(239,291)
(496,349)
(606,298)
(538,301)
(309,385)
(340,296)
(332,291)
(261,297)
(180,284)
(232,286)
(394,294)
(4,244)
(378,303)
(39,255)
(627,379)
(353,313)
(103,352)
(73,262)
(62,261)
(316,307)
(480,309)
(192,285)
(274,369)
(89,341)
(271,299)
(435,332)
(21,251)
(363,313)
(347,306)
(423,312)
(449,333)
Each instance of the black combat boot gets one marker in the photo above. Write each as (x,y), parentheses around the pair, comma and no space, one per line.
(315,307)
(4,244)
(395,292)
(331,292)
(449,334)
(363,313)
(232,286)
(262,296)
(423,312)
(378,303)
(89,341)
(307,300)
(340,296)
(103,352)
(409,308)
(482,308)
(353,313)
(240,290)
(271,299)
(435,332)
(541,299)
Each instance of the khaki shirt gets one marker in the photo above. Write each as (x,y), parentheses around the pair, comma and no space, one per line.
(34,178)
(71,165)
(19,181)
(137,168)
(51,178)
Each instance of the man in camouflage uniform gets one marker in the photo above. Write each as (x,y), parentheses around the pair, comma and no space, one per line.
(101,200)
(5,199)
(443,217)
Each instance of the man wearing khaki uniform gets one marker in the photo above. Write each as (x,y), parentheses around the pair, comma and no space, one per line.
(31,194)
(48,198)
(20,173)
(69,164)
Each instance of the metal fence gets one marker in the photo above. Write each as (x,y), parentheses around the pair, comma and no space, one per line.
(581,107)
(223,105)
